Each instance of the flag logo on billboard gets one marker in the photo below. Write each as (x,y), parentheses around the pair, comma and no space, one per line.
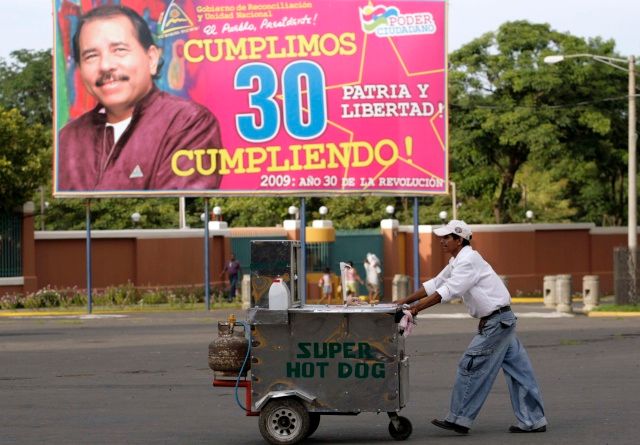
(386,21)
(175,21)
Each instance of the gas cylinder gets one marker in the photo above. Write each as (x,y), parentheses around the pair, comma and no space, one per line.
(228,351)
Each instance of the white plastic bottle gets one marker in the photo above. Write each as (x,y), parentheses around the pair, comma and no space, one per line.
(279,295)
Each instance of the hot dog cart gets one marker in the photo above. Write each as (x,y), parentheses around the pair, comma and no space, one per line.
(306,361)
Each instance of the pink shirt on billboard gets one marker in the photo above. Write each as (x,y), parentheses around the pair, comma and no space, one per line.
(141,159)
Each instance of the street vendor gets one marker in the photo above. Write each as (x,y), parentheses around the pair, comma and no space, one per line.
(470,277)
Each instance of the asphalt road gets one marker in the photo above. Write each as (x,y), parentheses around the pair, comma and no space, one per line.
(144,379)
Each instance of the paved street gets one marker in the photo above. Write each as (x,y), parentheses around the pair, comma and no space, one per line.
(144,379)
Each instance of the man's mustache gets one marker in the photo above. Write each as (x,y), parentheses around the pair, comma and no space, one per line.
(110,76)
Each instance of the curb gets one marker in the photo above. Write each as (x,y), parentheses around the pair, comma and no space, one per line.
(599,314)
(537,300)
(102,312)
(524,300)
(9,314)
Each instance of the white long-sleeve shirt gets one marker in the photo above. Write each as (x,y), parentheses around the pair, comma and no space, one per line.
(470,277)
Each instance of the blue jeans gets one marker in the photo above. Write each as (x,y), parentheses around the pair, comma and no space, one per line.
(497,346)
(233,282)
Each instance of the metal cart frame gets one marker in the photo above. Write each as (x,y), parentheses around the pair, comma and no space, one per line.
(311,361)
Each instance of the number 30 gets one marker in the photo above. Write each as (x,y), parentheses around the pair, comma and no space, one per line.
(263,101)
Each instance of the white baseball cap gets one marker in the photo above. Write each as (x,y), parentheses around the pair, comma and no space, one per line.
(455,226)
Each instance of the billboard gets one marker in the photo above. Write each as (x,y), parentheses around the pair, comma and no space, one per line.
(228,97)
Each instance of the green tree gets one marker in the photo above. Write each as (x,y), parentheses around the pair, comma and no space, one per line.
(595,159)
(508,110)
(112,213)
(25,134)
(252,211)
(541,191)
(26,84)
(24,158)
(355,212)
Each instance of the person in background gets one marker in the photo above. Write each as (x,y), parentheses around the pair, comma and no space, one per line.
(352,279)
(373,270)
(326,286)
(232,268)
(496,345)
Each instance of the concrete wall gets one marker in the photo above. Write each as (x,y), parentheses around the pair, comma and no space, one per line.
(146,258)
(525,253)
(602,242)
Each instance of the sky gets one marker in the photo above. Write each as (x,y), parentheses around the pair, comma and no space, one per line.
(28,24)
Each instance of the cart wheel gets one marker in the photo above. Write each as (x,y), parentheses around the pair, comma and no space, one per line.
(284,421)
(314,422)
(403,432)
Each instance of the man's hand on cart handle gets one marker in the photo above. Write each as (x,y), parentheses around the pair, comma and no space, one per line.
(401,310)
(406,323)
(411,309)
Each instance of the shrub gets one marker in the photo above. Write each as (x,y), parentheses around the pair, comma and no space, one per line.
(32,301)
(118,296)
(156,296)
(218,294)
(11,301)
(112,296)
(174,301)
(72,297)
(47,297)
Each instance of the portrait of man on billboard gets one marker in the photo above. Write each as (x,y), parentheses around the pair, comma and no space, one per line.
(127,141)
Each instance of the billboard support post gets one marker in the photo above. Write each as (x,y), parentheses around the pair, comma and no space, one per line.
(207,295)
(303,251)
(88,257)
(416,242)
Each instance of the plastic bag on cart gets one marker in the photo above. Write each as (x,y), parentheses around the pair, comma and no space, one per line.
(407,322)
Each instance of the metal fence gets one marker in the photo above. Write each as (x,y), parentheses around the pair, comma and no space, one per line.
(10,245)
(319,256)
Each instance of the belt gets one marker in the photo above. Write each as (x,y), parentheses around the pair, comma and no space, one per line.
(484,319)
(497,311)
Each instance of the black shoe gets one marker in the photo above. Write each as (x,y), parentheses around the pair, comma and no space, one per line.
(444,424)
(515,429)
